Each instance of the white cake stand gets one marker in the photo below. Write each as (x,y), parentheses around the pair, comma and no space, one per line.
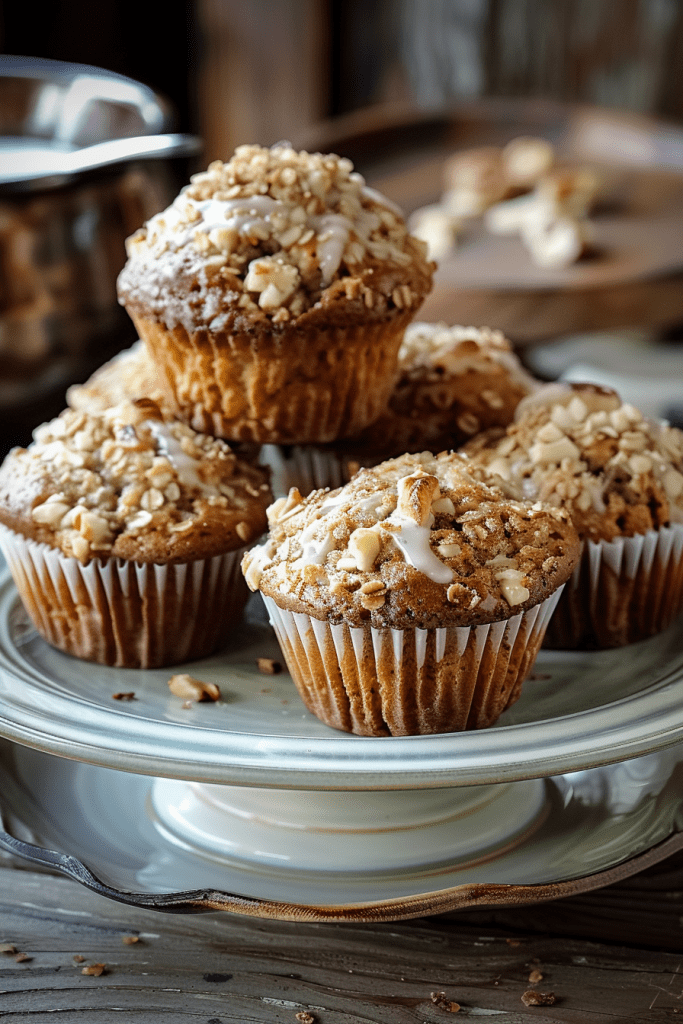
(251,804)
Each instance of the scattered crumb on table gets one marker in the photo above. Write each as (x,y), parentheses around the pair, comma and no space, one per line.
(95,970)
(441,1000)
(533,998)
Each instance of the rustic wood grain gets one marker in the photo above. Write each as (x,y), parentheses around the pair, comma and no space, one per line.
(221,969)
(263,71)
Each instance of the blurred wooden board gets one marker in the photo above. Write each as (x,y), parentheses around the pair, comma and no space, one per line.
(636,280)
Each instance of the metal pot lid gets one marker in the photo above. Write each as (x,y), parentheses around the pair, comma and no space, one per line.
(60,120)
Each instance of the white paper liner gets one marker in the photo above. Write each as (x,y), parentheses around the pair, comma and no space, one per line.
(308,468)
(380,682)
(127,614)
(621,591)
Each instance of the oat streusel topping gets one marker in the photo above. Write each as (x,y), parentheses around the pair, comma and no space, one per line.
(414,542)
(268,233)
(127,483)
(579,447)
(130,374)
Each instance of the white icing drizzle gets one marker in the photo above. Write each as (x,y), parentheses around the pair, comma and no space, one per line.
(247,216)
(367,504)
(377,197)
(257,215)
(170,447)
(413,540)
(332,231)
(315,550)
(260,558)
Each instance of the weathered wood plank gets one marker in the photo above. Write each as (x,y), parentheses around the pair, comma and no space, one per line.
(220,968)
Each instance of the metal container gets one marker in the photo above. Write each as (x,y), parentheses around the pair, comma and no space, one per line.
(86,156)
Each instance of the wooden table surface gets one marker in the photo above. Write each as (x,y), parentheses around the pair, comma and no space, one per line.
(609,956)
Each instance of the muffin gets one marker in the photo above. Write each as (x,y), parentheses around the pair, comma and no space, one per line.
(124,534)
(453,382)
(273,295)
(620,477)
(413,599)
(129,375)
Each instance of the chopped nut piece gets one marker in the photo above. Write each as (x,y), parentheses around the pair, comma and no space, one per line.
(94,970)
(7,947)
(415,496)
(305,1017)
(243,531)
(364,547)
(124,695)
(533,998)
(535,976)
(130,940)
(77,958)
(269,666)
(22,958)
(188,688)
(441,1000)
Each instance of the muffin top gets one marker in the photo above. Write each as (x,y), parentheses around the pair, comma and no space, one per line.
(129,375)
(415,542)
(274,235)
(126,483)
(453,382)
(578,446)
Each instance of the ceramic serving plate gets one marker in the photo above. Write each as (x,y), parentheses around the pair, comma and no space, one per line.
(577,711)
(593,828)
(252,805)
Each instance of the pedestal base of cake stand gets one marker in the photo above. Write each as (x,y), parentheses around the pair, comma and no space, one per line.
(342,831)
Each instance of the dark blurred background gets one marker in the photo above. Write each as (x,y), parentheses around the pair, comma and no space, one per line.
(239,71)
(260,70)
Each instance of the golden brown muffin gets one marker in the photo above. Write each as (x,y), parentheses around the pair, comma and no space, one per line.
(414,599)
(273,295)
(620,476)
(453,383)
(124,531)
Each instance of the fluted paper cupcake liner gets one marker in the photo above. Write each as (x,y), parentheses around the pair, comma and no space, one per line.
(127,614)
(307,468)
(307,386)
(621,591)
(402,682)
